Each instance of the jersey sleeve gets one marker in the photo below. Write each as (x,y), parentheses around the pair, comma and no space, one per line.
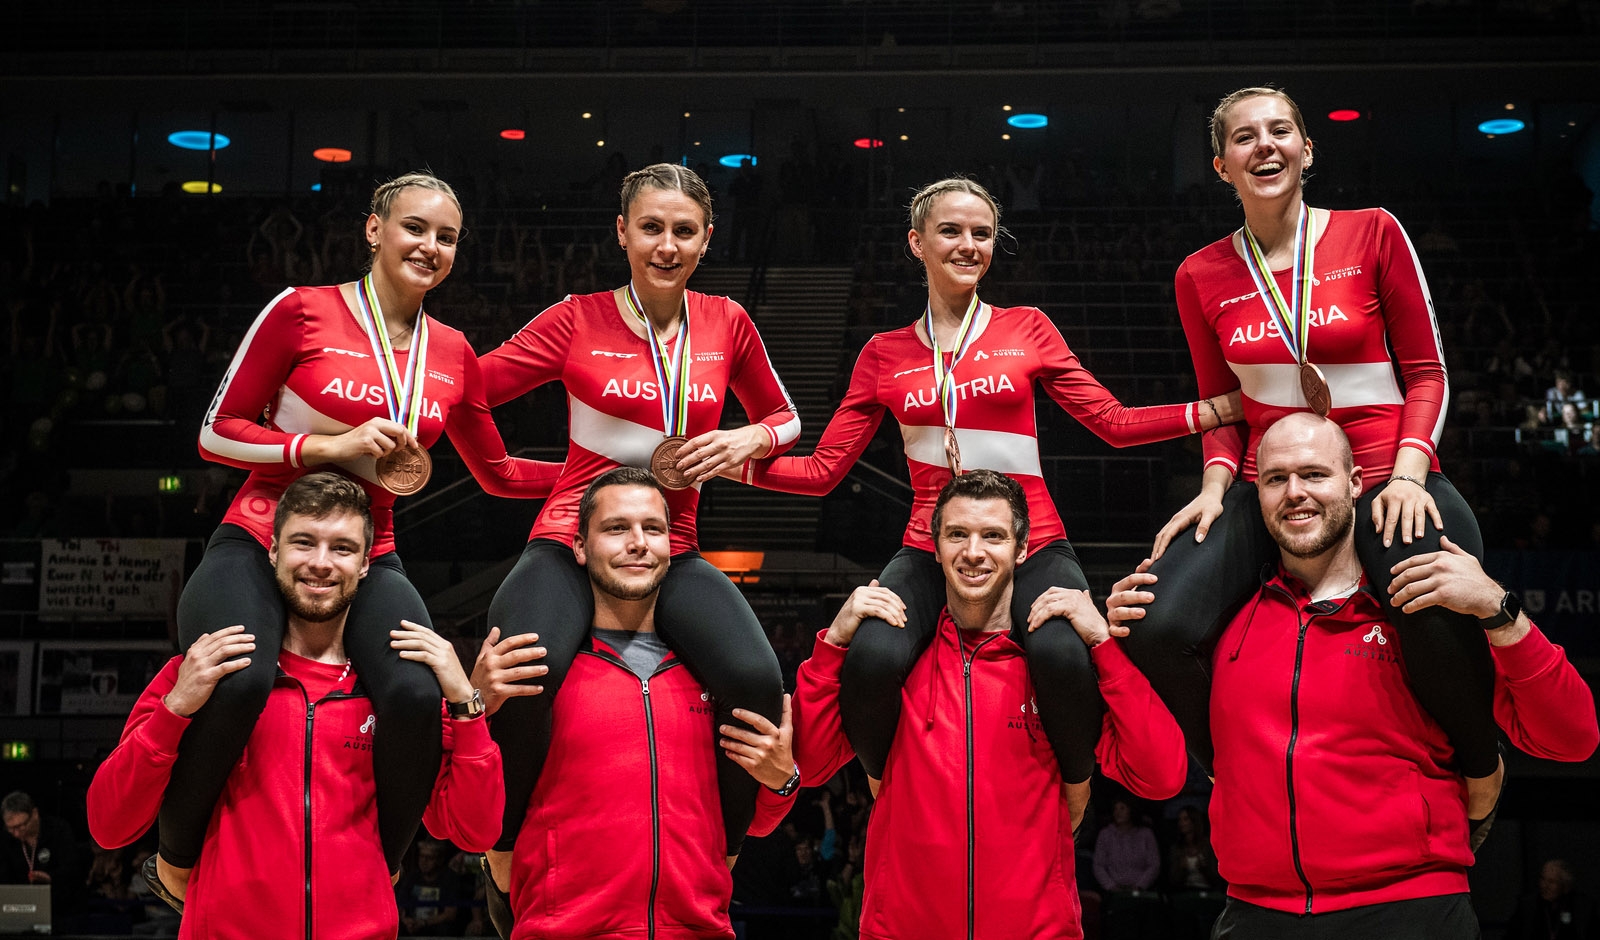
(469,794)
(820,747)
(535,355)
(1225,445)
(1076,389)
(1140,745)
(1413,333)
(849,432)
(756,384)
(472,430)
(126,792)
(232,433)
(1540,700)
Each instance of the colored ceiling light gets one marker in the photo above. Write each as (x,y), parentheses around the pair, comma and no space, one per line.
(867,143)
(197,140)
(513,133)
(1501,126)
(331,154)
(1344,114)
(316,187)
(736,160)
(1027,121)
(199,186)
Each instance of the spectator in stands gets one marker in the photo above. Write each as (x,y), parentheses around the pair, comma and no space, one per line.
(1125,855)
(47,852)
(1191,864)
(1558,910)
(430,897)
(1561,393)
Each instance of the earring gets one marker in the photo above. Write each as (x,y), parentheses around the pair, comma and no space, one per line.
(372,246)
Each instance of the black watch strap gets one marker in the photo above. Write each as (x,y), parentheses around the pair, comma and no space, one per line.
(790,785)
(1510,609)
(471,708)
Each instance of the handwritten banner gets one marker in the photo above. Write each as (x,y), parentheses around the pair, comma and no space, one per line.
(109,578)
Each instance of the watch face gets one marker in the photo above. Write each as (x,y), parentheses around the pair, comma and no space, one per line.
(1512,605)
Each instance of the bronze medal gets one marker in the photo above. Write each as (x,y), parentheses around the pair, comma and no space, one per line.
(952,451)
(1315,387)
(664,463)
(405,470)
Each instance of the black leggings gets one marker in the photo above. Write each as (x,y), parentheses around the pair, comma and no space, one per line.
(881,657)
(235,585)
(1202,585)
(701,616)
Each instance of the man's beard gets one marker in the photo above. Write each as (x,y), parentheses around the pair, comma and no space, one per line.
(609,583)
(1337,520)
(314,612)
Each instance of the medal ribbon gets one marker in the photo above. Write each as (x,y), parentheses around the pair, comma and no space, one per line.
(401,393)
(944,380)
(1295,332)
(672,378)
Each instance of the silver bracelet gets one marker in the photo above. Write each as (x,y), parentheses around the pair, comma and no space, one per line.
(1408,480)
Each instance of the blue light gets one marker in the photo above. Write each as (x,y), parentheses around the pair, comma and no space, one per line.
(1027,121)
(1501,126)
(196,140)
(735,160)
(316,187)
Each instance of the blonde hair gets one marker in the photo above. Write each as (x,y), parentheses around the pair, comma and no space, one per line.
(668,176)
(383,197)
(922,202)
(1219,116)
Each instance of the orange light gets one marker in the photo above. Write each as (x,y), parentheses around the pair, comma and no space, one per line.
(331,154)
(740,567)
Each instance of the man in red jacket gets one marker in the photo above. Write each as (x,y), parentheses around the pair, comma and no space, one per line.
(1337,812)
(293,849)
(623,835)
(972,835)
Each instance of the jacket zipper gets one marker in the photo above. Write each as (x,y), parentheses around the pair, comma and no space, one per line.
(655,794)
(311,711)
(1294,737)
(972,828)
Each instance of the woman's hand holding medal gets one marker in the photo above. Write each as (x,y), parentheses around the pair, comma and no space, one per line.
(376,437)
(714,452)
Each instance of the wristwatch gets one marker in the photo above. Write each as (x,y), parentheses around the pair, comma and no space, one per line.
(790,785)
(471,708)
(1510,608)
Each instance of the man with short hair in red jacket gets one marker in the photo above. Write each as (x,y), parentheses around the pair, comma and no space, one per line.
(972,834)
(1337,810)
(292,850)
(624,835)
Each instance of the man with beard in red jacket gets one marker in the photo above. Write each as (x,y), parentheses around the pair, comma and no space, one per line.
(1337,811)
(623,835)
(972,833)
(292,849)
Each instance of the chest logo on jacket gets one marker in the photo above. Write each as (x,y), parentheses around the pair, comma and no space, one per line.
(1027,718)
(704,708)
(1373,646)
(362,739)
(351,390)
(631,388)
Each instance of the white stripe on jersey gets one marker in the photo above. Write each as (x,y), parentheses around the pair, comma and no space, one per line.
(222,446)
(614,438)
(1353,384)
(297,416)
(1014,454)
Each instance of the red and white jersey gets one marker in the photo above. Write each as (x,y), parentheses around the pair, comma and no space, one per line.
(613,402)
(1373,335)
(995,424)
(306,367)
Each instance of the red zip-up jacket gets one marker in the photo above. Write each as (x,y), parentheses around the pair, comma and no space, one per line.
(1334,788)
(292,850)
(971,835)
(623,836)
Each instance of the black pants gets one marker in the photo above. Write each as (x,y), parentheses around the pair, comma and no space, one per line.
(1446,917)
(1201,586)
(235,585)
(699,613)
(881,657)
